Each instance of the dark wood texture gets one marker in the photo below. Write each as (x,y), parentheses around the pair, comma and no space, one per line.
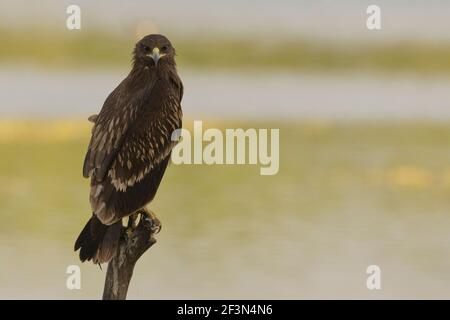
(132,246)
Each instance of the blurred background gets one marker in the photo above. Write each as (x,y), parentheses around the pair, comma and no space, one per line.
(365,147)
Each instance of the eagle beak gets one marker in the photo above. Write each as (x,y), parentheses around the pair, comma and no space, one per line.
(155,55)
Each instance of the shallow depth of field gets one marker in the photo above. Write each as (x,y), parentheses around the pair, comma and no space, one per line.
(364,174)
(346,196)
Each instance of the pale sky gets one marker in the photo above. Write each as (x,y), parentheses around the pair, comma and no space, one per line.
(329,19)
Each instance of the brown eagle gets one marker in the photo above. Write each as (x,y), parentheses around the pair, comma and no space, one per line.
(131,145)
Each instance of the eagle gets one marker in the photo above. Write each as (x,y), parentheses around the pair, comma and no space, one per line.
(130,146)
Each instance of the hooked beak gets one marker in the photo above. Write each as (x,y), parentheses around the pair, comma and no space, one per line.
(155,55)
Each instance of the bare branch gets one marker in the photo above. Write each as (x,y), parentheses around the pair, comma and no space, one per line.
(120,268)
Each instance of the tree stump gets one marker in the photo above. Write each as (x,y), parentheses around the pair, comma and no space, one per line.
(132,246)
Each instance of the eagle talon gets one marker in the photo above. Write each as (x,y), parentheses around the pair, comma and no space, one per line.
(131,225)
(128,233)
(152,222)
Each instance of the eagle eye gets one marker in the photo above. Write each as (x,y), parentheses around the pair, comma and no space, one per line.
(164,48)
(145,48)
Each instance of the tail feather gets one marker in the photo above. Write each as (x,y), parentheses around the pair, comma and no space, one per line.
(108,247)
(98,242)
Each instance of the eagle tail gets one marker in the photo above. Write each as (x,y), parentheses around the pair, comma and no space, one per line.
(97,241)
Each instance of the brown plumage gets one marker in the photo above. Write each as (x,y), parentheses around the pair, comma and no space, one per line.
(131,145)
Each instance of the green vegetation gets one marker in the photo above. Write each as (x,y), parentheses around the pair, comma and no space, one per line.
(92,48)
(347,195)
(398,168)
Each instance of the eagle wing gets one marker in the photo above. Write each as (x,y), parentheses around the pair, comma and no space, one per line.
(131,138)
(149,141)
(119,111)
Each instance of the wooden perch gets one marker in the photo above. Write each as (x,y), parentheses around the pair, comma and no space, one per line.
(132,246)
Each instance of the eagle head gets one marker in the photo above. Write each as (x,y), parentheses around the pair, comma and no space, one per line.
(154,50)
